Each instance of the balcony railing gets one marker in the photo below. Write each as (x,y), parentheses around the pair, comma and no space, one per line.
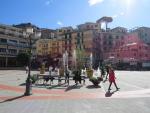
(14,44)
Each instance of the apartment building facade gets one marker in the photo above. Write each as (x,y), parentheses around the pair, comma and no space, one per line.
(12,41)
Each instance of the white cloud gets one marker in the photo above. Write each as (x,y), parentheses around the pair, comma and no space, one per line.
(94,2)
(59,23)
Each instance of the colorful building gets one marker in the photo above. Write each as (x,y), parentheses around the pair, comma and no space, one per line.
(130,50)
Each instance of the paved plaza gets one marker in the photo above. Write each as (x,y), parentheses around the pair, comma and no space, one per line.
(133,96)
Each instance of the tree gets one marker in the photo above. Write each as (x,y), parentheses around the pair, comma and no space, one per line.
(22,59)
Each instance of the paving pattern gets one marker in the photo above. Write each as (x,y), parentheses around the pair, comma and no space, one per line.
(134,89)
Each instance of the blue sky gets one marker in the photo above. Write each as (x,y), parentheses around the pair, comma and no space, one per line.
(59,13)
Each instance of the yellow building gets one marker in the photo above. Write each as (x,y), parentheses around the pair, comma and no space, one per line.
(42,47)
(52,47)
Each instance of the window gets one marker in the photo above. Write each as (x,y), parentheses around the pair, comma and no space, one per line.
(145,48)
(117,37)
(112,54)
(68,30)
(13,41)
(110,37)
(22,51)
(22,42)
(134,54)
(3,40)
(12,51)
(105,48)
(104,42)
(82,34)
(2,50)
(78,35)
(110,43)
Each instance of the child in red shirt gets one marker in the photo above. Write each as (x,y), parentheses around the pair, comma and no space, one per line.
(112,78)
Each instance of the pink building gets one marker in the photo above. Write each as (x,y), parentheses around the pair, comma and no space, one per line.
(130,49)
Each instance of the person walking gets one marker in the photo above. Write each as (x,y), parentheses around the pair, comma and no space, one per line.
(112,79)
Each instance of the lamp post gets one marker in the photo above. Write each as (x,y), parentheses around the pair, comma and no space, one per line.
(28,81)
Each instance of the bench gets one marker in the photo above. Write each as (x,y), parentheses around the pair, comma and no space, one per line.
(46,78)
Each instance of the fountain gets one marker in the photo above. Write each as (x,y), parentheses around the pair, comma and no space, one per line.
(98,72)
(74,59)
(89,71)
(91,60)
(65,59)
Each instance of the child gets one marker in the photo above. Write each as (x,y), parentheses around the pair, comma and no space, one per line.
(112,79)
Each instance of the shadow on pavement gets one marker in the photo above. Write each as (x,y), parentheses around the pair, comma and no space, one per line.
(105,80)
(40,85)
(109,94)
(92,86)
(23,84)
(12,99)
(58,86)
(73,87)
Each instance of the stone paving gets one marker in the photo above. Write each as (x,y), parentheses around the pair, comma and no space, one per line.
(133,97)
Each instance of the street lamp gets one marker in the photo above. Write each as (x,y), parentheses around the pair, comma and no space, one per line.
(28,81)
